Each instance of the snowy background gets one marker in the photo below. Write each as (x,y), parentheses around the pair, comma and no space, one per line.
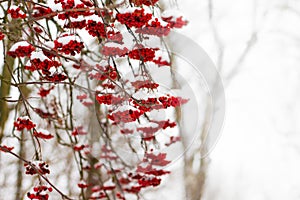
(258,154)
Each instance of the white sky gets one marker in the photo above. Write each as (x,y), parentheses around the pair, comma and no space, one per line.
(257,156)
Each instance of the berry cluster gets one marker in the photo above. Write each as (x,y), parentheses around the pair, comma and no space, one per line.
(79,9)
(104,73)
(42,135)
(79,131)
(5,148)
(157,160)
(109,99)
(37,168)
(80,147)
(175,22)
(96,29)
(44,92)
(137,18)
(155,27)
(144,84)
(82,184)
(70,47)
(16,12)
(160,103)
(39,193)
(40,11)
(114,36)
(56,77)
(43,114)
(43,65)
(160,62)
(84,100)
(125,116)
(144,2)
(113,51)
(148,133)
(142,54)
(21,49)
(76,24)
(24,123)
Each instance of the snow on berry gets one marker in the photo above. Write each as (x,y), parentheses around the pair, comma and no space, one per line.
(174,18)
(39,193)
(39,61)
(42,10)
(79,131)
(144,84)
(143,54)
(161,58)
(69,4)
(95,26)
(155,27)
(104,73)
(82,184)
(42,134)
(133,17)
(44,92)
(5,148)
(24,123)
(80,147)
(16,12)
(149,181)
(37,29)
(148,132)
(78,8)
(107,154)
(49,44)
(82,97)
(114,35)
(98,195)
(109,99)
(113,49)
(79,22)
(125,116)
(68,44)
(36,167)
(157,159)
(148,169)
(173,139)
(21,49)
(109,185)
(55,77)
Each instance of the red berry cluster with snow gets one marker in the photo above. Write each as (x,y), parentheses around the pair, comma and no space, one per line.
(39,193)
(68,44)
(16,12)
(21,49)
(81,57)
(24,123)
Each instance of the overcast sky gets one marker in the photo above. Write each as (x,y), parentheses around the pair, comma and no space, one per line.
(258,154)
